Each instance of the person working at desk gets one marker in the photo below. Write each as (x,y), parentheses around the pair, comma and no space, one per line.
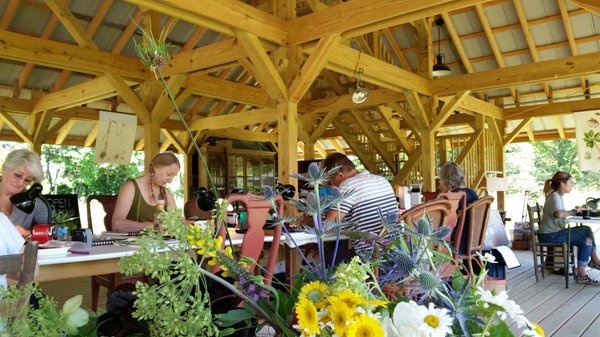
(552,228)
(452,179)
(20,169)
(138,197)
(372,197)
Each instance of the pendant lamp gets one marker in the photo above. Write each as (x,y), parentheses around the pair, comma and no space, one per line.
(439,68)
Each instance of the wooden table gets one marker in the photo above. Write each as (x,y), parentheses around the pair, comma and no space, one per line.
(101,260)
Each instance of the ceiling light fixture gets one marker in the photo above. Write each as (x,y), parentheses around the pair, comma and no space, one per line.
(360,93)
(439,68)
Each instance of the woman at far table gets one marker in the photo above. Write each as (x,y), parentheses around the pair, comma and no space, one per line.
(552,228)
(21,169)
(138,197)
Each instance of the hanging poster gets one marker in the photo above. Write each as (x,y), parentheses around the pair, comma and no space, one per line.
(587,126)
(116,135)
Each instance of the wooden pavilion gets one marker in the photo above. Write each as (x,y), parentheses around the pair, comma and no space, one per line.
(283,73)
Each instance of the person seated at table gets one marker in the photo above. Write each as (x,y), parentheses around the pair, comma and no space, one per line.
(372,197)
(21,168)
(452,179)
(138,197)
(552,228)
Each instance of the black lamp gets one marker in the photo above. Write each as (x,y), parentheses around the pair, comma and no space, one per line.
(25,201)
(205,199)
(439,68)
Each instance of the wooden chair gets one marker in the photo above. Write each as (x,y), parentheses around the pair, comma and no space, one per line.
(109,281)
(438,210)
(478,213)
(546,254)
(22,264)
(456,221)
(254,238)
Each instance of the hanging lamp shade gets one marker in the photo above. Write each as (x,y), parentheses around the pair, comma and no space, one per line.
(439,68)
(360,94)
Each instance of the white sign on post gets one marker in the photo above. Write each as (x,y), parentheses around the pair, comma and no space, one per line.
(587,127)
(116,135)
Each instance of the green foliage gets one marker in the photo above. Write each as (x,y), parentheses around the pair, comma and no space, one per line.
(561,155)
(71,169)
(63,218)
(528,165)
(47,319)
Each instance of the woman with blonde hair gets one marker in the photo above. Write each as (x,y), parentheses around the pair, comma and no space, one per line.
(138,197)
(552,228)
(22,168)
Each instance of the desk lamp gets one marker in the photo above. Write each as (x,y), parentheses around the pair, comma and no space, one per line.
(592,204)
(25,201)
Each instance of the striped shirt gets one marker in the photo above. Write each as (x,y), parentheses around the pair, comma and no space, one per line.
(373,195)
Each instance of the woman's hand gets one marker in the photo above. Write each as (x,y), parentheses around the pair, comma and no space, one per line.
(26,234)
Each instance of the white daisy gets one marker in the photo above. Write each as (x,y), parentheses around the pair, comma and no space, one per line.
(407,318)
(437,323)
(487,257)
(505,306)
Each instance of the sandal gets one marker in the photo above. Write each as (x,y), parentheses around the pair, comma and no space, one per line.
(593,265)
(586,280)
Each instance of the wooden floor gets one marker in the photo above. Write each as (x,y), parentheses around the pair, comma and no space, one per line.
(561,312)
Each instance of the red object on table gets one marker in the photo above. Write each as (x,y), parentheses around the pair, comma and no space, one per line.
(40,233)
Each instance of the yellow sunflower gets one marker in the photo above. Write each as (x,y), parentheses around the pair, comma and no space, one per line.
(307,317)
(365,326)
(315,292)
(340,315)
(348,297)
(538,329)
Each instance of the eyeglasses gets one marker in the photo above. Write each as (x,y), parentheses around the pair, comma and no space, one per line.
(21,176)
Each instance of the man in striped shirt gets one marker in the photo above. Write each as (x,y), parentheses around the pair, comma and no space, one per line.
(372,195)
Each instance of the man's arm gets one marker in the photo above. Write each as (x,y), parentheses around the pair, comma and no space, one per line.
(333,215)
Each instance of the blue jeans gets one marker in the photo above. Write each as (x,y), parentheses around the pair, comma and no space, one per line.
(581,236)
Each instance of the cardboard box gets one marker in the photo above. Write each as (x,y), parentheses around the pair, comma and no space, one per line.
(521,244)
(520,234)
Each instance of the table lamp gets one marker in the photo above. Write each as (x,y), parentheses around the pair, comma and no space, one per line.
(25,201)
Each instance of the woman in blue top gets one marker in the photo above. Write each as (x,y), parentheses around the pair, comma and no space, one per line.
(552,228)
(452,179)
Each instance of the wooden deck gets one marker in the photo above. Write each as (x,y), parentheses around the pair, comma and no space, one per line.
(561,312)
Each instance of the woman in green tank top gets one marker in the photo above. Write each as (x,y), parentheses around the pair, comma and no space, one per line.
(138,197)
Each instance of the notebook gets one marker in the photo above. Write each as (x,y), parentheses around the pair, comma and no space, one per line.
(121,233)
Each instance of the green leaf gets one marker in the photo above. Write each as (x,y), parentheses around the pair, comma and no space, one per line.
(500,330)
(226,332)
(233,316)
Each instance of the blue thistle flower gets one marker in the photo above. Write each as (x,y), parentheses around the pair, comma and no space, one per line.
(314,171)
(268,192)
(428,281)
(423,226)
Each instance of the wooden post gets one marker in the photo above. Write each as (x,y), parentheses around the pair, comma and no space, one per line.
(287,138)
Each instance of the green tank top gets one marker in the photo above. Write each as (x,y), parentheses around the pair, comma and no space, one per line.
(140,210)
